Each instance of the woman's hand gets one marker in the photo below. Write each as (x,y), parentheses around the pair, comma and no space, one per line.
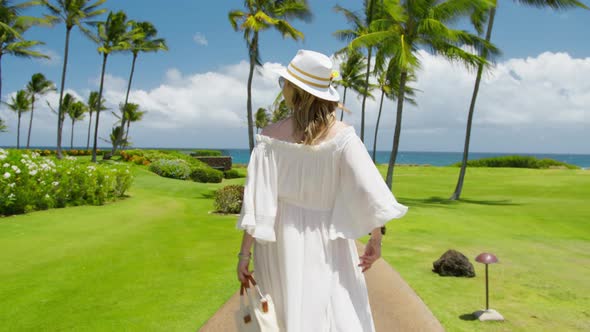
(372,253)
(243,270)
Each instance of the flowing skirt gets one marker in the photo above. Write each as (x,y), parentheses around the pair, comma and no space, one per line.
(314,282)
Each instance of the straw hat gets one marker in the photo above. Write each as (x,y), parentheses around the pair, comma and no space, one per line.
(312,72)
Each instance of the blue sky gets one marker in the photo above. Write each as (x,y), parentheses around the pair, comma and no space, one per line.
(201,42)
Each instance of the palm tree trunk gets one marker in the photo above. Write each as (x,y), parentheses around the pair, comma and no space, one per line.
(398,127)
(377,125)
(18,131)
(31,121)
(365,94)
(61,94)
(123,117)
(457,194)
(72,137)
(99,106)
(127,133)
(343,103)
(89,126)
(249,104)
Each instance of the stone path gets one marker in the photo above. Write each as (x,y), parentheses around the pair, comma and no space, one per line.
(395,305)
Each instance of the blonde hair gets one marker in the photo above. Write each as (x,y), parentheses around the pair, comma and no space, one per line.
(312,116)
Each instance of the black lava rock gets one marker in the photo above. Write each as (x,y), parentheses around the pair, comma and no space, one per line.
(455,264)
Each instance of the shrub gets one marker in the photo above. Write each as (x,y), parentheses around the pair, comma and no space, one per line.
(29,182)
(229,199)
(175,169)
(232,174)
(206,153)
(206,175)
(516,162)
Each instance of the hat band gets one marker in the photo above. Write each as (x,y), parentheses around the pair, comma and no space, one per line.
(324,86)
(308,74)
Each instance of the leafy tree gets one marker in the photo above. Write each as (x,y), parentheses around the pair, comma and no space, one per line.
(261,15)
(74,13)
(404,26)
(37,86)
(19,105)
(489,17)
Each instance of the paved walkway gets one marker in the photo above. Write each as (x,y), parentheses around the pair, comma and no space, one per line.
(395,305)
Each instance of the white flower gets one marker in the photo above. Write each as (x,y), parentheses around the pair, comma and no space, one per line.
(6,175)
(43,182)
(55,183)
(11,196)
(17,171)
(6,165)
(14,167)
(2,156)
(26,156)
(46,195)
(33,172)
(12,185)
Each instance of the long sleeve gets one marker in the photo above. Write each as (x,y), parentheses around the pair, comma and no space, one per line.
(259,207)
(363,201)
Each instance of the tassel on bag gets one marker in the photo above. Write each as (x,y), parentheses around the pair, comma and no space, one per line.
(257,311)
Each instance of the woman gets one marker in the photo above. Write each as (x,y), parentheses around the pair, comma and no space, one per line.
(311,189)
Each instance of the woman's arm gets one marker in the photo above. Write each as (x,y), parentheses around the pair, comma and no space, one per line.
(244,257)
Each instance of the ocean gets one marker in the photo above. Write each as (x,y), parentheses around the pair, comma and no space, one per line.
(241,156)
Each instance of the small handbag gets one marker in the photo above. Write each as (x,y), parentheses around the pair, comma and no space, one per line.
(257,310)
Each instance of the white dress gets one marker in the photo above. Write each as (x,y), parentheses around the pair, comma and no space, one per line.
(305,205)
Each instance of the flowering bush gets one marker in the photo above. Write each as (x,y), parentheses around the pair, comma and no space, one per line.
(29,182)
(229,199)
(176,169)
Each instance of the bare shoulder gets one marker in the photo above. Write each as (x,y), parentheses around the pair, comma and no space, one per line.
(274,129)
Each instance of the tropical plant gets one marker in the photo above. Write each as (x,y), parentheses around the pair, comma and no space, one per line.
(361,26)
(93,107)
(12,26)
(133,114)
(38,85)
(262,118)
(490,16)
(19,105)
(352,75)
(388,82)
(407,25)
(258,16)
(74,13)
(76,113)
(2,126)
(145,41)
(113,35)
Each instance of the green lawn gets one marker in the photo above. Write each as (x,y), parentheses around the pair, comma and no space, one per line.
(159,261)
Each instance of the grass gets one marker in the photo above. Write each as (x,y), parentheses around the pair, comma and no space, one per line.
(159,260)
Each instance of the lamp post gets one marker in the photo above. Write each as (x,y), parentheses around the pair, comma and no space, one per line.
(487,314)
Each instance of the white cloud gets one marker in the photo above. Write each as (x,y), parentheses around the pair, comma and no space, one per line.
(200,39)
(537,104)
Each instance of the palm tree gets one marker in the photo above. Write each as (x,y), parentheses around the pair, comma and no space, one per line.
(360,27)
(12,26)
(262,118)
(407,25)
(76,113)
(263,15)
(554,4)
(114,36)
(351,73)
(133,114)
(80,13)
(145,41)
(388,81)
(93,107)
(19,105)
(38,85)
